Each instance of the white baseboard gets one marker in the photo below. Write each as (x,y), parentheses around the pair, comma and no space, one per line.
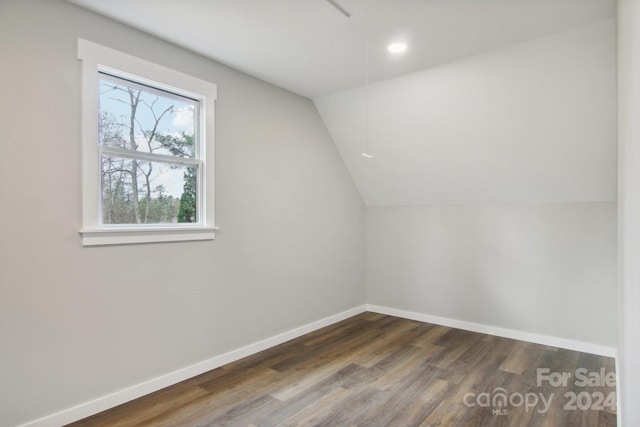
(584,347)
(125,395)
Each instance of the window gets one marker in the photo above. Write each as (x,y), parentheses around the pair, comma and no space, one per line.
(147,151)
(149,160)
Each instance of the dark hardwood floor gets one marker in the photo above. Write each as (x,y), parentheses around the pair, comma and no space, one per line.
(378,370)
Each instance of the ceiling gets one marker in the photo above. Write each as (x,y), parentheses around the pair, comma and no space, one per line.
(494,101)
(317,47)
(534,122)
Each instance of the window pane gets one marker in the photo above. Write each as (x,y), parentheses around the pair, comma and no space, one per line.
(144,192)
(148,120)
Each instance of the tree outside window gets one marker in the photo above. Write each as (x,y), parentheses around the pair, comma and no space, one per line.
(148,154)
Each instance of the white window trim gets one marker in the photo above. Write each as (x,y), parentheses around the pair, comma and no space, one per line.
(95,58)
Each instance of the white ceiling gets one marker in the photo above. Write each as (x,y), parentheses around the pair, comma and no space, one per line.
(530,123)
(495,101)
(311,48)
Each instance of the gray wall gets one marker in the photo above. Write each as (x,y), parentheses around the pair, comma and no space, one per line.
(629,210)
(512,196)
(548,269)
(77,323)
(491,197)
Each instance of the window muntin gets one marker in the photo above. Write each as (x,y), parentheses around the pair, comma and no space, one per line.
(148,143)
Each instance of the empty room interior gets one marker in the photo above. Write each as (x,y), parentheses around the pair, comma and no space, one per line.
(320,212)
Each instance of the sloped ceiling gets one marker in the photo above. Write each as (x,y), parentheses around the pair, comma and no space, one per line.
(531,123)
(309,47)
(495,101)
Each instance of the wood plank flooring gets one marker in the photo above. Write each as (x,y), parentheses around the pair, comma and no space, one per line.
(378,370)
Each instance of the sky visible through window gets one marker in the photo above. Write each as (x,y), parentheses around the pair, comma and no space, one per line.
(147,121)
(115,109)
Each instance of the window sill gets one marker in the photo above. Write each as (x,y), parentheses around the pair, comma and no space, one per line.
(127,236)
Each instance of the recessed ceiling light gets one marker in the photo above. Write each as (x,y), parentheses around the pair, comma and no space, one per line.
(397,47)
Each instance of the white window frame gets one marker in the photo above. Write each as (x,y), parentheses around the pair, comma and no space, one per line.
(96,58)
